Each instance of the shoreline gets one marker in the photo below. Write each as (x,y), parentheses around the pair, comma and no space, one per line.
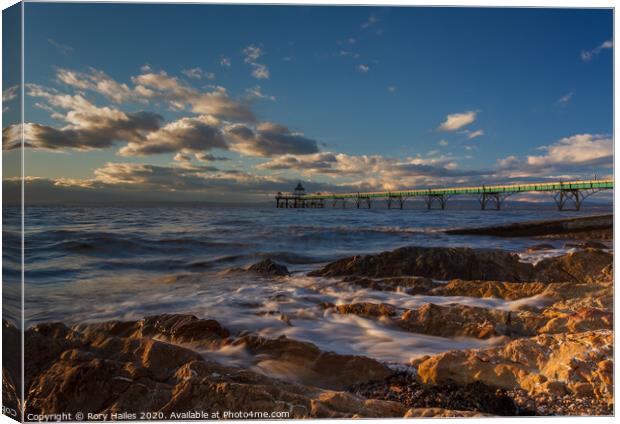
(177,354)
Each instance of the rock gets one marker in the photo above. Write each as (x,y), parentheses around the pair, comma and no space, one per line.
(175,328)
(309,364)
(539,247)
(454,320)
(269,268)
(470,264)
(433,262)
(127,371)
(584,319)
(366,309)
(579,267)
(486,289)
(458,320)
(589,244)
(410,285)
(601,226)
(531,363)
(441,412)
(472,399)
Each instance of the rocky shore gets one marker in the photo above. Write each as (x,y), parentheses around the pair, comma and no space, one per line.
(552,356)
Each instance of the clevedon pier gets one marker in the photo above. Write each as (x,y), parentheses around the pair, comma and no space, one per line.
(568,195)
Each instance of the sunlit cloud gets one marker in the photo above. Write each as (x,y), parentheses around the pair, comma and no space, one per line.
(456,121)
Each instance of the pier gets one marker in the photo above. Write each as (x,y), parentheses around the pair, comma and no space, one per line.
(568,195)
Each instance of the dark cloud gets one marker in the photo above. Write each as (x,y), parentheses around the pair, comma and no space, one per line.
(268,139)
(185,135)
(90,131)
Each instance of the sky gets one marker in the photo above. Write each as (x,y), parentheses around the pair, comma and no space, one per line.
(214,102)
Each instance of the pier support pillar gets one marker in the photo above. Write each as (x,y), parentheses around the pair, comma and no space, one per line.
(574,197)
(440,199)
(492,201)
(398,199)
(360,200)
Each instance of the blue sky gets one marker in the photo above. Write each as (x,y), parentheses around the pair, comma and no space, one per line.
(355,97)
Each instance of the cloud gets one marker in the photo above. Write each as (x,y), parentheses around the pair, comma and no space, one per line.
(565,100)
(62,48)
(208,157)
(198,73)
(346,53)
(370,22)
(580,149)
(374,171)
(474,134)
(268,139)
(256,93)
(184,135)
(577,156)
(100,82)
(153,86)
(363,68)
(587,55)
(180,96)
(225,62)
(252,53)
(443,143)
(87,126)
(457,121)
(391,89)
(10,93)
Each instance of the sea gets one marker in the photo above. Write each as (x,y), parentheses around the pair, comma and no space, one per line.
(95,263)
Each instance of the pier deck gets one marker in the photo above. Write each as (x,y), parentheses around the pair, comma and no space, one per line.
(568,195)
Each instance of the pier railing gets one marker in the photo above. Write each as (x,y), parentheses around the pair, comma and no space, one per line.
(565,194)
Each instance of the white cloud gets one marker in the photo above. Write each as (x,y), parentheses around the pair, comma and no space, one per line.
(565,100)
(62,48)
(259,70)
(456,121)
(391,89)
(475,134)
(587,55)
(256,93)
(363,68)
(443,143)
(577,149)
(225,62)
(198,73)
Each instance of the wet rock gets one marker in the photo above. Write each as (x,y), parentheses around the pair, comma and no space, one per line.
(539,247)
(590,244)
(365,309)
(131,372)
(410,285)
(269,268)
(588,227)
(579,267)
(176,328)
(309,364)
(439,400)
(454,320)
(461,320)
(579,361)
(470,264)
(433,262)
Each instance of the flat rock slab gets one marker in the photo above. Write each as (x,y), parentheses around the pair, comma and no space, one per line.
(566,226)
